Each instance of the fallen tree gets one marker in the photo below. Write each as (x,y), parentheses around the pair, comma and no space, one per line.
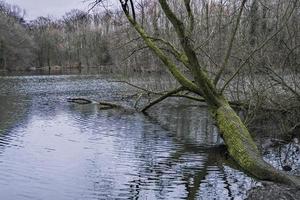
(236,136)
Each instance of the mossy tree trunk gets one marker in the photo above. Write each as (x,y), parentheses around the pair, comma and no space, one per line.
(242,148)
(237,138)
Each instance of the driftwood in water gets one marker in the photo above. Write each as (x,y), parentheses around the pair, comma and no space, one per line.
(108,105)
(102,104)
(79,100)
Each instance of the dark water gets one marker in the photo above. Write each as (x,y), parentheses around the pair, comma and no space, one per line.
(51,149)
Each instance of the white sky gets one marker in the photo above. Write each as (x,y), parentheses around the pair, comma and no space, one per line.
(54,8)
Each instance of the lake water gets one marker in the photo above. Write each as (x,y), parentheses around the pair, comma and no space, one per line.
(52,149)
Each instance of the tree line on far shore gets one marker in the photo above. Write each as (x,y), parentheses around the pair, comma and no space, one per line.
(104,39)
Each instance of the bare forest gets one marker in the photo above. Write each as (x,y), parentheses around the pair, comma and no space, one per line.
(105,38)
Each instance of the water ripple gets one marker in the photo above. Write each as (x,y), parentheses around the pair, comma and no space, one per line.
(50,149)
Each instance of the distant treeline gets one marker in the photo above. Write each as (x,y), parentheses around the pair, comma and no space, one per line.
(103,38)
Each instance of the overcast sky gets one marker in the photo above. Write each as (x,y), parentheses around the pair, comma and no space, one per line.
(55,8)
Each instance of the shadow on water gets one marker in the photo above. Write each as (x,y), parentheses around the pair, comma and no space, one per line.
(63,151)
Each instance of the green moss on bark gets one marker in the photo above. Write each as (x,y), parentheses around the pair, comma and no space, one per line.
(243,150)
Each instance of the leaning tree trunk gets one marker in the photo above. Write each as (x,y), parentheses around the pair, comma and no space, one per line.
(237,138)
(242,148)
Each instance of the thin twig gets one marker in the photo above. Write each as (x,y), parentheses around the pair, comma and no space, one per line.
(135,51)
(139,87)
(232,39)
(163,97)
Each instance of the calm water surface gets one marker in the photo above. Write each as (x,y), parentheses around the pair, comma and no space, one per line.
(52,149)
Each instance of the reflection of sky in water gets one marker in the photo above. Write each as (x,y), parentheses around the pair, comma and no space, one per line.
(50,149)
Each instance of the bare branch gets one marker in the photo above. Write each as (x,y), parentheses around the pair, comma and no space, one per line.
(93,4)
(209,57)
(128,42)
(163,97)
(139,88)
(288,14)
(229,50)
(190,15)
(132,10)
(279,79)
(170,65)
(135,51)
(205,84)
(180,56)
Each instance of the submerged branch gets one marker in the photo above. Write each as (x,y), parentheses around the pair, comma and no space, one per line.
(102,104)
(79,100)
